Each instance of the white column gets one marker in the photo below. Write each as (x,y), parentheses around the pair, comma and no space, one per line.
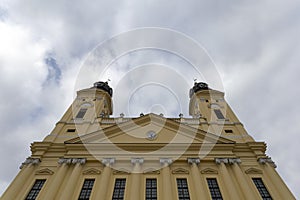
(58,178)
(243,183)
(135,189)
(166,179)
(70,186)
(102,185)
(199,187)
(231,190)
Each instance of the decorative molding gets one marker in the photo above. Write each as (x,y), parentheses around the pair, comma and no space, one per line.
(28,161)
(121,171)
(264,161)
(108,161)
(209,171)
(91,171)
(253,170)
(70,161)
(135,161)
(80,161)
(234,160)
(151,171)
(165,161)
(44,171)
(193,161)
(65,161)
(221,160)
(180,171)
(230,161)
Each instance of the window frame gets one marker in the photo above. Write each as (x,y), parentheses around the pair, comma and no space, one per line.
(261,194)
(81,113)
(151,188)
(219,114)
(114,188)
(86,189)
(218,188)
(34,190)
(179,189)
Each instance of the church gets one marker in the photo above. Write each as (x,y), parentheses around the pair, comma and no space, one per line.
(92,155)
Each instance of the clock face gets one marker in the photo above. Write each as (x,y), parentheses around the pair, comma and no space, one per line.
(151,135)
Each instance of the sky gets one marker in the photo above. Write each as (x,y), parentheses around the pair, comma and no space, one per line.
(254,46)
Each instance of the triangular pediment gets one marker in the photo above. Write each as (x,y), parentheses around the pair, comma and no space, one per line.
(121,171)
(209,171)
(151,171)
(180,171)
(91,171)
(44,171)
(150,128)
(253,170)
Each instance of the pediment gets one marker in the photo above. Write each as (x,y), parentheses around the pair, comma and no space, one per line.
(253,170)
(91,171)
(209,171)
(137,131)
(180,171)
(44,171)
(121,171)
(151,171)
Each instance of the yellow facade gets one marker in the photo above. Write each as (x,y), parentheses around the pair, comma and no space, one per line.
(171,158)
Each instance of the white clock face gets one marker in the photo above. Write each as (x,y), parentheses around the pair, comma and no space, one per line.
(151,135)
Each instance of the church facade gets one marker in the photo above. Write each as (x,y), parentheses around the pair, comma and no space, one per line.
(91,155)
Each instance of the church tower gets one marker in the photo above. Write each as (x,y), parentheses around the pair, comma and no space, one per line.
(91,155)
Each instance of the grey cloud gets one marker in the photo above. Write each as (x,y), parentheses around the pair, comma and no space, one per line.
(254,44)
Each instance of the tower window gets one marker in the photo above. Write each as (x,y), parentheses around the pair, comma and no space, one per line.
(219,114)
(151,189)
(119,189)
(214,189)
(228,131)
(86,189)
(183,190)
(262,189)
(71,130)
(81,113)
(36,188)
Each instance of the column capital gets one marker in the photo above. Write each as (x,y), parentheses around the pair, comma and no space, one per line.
(264,161)
(221,160)
(28,161)
(70,161)
(165,161)
(193,161)
(234,160)
(108,161)
(80,161)
(135,161)
(65,161)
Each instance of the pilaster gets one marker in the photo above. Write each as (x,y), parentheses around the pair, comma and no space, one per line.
(166,179)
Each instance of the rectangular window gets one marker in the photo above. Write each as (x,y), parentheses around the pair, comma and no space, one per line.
(151,189)
(86,189)
(214,189)
(228,131)
(119,189)
(262,189)
(81,113)
(36,188)
(183,190)
(219,114)
(71,130)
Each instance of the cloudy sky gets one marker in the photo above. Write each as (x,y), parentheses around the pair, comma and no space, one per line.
(254,44)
